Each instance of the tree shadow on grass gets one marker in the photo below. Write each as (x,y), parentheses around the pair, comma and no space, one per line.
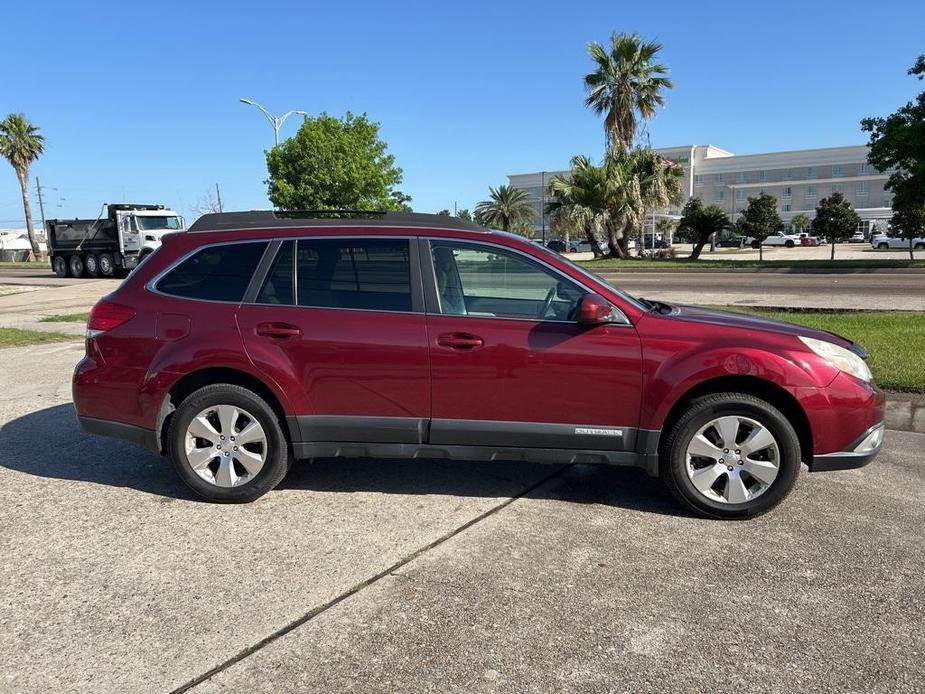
(48,443)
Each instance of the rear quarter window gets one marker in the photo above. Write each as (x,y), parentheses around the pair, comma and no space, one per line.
(216,273)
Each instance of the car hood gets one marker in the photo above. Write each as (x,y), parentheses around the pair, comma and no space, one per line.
(697,314)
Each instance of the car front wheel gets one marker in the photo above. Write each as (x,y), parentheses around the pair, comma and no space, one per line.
(730,456)
(227,445)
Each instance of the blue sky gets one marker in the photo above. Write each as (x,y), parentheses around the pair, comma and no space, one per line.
(139,101)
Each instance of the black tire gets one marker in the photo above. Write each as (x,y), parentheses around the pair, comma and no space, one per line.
(919,247)
(107,265)
(75,266)
(756,245)
(59,264)
(92,265)
(883,246)
(276,457)
(673,454)
(789,244)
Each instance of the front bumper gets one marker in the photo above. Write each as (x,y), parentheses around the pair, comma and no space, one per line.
(858,454)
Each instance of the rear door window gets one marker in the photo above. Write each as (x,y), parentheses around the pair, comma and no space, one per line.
(371,274)
(215,273)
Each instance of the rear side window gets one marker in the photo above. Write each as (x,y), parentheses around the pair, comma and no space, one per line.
(372,274)
(277,287)
(218,273)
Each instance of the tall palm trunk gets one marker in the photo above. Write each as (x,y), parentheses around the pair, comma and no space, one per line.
(592,239)
(23,176)
(911,253)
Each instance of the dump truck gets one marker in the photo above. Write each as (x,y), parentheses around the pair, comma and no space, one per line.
(113,243)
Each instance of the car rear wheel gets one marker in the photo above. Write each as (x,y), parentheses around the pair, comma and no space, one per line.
(789,244)
(919,246)
(755,244)
(883,246)
(76,266)
(227,444)
(730,456)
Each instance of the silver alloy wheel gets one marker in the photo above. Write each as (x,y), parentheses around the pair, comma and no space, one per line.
(225,445)
(733,459)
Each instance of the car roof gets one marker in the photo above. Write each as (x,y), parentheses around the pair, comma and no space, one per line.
(302,219)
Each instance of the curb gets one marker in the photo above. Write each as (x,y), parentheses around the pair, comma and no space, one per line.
(905,412)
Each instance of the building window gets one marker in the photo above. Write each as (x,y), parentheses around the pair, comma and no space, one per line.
(719,179)
(810,192)
(698,179)
(786,208)
(838,188)
(787,192)
(740,195)
(838,170)
(740,177)
(861,189)
(865,169)
(810,172)
(788,174)
(763,176)
(718,195)
(887,201)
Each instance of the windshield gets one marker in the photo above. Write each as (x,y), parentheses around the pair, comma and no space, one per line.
(158,223)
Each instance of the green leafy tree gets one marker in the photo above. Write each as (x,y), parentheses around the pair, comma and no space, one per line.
(909,223)
(21,144)
(801,222)
(835,220)
(444,213)
(626,85)
(463,213)
(506,207)
(400,202)
(335,164)
(578,202)
(759,220)
(701,223)
(897,144)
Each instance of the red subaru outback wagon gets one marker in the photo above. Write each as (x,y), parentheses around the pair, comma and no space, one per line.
(257,338)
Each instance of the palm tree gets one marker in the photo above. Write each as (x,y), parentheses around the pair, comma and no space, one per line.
(626,82)
(701,223)
(21,144)
(506,207)
(578,202)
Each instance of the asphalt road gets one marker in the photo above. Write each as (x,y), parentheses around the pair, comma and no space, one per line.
(381,576)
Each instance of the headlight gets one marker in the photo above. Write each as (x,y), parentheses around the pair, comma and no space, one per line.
(840,358)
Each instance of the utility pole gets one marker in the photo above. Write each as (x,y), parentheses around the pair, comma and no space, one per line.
(543,206)
(38,189)
(218,194)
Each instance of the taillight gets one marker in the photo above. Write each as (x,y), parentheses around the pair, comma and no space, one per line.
(107,315)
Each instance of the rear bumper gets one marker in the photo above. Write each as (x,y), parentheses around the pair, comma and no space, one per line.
(859,454)
(119,430)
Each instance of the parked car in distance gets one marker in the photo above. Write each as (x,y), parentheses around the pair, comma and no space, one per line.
(779,238)
(809,240)
(882,242)
(731,242)
(858,237)
(557,245)
(253,340)
(583,246)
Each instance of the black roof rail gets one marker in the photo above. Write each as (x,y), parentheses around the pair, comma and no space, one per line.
(270,219)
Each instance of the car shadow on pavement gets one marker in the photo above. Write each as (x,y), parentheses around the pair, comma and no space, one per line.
(49,443)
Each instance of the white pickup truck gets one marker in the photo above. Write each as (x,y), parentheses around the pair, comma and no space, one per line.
(882,242)
(778,238)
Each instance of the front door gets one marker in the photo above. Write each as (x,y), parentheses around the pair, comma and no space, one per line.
(511,366)
(338,323)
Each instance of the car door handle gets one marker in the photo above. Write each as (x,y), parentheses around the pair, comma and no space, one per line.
(463,341)
(278,330)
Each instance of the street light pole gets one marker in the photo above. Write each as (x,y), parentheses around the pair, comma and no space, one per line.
(543,206)
(276,122)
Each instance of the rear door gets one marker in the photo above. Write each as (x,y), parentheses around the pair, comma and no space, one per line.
(511,366)
(339,324)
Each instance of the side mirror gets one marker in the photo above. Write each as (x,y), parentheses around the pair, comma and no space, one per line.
(593,309)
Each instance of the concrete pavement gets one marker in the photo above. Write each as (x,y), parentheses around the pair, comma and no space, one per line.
(435,576)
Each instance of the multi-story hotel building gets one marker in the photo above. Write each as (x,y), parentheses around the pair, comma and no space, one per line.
(798,179)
